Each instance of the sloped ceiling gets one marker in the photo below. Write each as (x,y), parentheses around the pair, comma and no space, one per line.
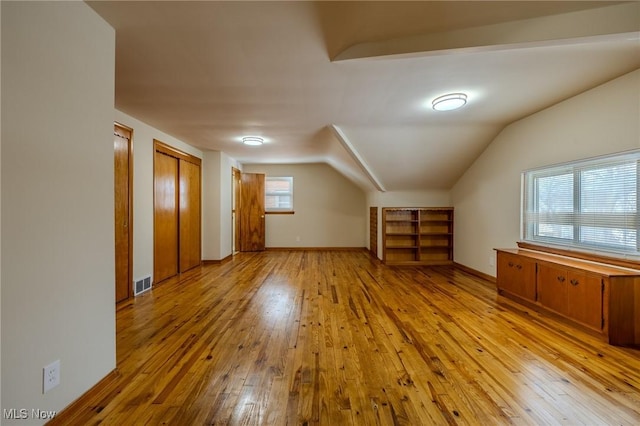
(351,83)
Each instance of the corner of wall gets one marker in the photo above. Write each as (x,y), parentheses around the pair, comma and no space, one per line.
(61,216)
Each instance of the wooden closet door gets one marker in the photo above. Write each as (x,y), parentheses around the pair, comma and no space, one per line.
(252,228)
(122,212)
(165,217)
(189,215)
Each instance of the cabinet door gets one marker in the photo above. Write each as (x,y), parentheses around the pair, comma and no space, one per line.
(584,294)
(552,287)
(517,275)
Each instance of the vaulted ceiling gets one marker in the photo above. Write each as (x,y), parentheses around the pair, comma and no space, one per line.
(351,83)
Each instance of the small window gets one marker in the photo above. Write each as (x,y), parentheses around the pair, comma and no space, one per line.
(278,194)
(590,204)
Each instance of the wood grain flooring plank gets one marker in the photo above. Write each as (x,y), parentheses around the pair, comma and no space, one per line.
(337,338)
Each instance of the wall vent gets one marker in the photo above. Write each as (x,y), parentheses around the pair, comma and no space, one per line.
(141,285)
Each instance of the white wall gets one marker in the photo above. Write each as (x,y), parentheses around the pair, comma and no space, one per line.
(600,121)
(330,210)
(433,198)
(0,208)
(211,205)
(217,205)
(57,201)
(143,136)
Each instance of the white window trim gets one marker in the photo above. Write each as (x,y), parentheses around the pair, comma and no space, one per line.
(290,193)
(627,220)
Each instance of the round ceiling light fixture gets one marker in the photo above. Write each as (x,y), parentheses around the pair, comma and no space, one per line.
(252,140)
(449,102)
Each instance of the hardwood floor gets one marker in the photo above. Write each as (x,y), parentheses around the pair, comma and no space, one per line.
(336,338)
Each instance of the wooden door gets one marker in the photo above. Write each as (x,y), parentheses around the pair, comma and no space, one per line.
(252,229)
(189,203)
(123,212)
(373,231)
(165,225)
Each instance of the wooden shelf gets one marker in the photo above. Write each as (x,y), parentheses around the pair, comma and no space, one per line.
(401,247)
(417,236)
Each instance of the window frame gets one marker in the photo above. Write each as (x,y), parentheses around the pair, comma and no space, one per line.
(267,193)
(581,220)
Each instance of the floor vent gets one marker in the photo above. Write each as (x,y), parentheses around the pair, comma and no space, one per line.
(141,285)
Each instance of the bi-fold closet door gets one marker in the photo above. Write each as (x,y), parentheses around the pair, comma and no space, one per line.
(176,212)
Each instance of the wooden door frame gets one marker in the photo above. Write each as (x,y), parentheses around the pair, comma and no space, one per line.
(163,148)
(130,209)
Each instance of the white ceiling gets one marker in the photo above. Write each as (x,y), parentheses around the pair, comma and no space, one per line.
(350,83)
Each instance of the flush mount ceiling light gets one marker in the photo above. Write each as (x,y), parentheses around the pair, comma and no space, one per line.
(252,140)
(449,102)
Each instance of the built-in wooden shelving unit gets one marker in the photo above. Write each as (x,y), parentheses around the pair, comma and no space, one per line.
(417,236)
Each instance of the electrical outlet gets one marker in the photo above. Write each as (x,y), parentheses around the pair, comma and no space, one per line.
(298,239)
(492,260)
(50,376)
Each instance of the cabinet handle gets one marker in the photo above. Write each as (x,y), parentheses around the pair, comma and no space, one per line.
(561,278)
(519,267)
(574,282)
(510,264)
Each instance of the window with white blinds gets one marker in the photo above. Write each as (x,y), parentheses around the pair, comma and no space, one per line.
(590,204)
(278,194)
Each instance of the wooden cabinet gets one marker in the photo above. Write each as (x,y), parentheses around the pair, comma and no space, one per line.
(573,293)
(601,297)
(518,275)
(414,236)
